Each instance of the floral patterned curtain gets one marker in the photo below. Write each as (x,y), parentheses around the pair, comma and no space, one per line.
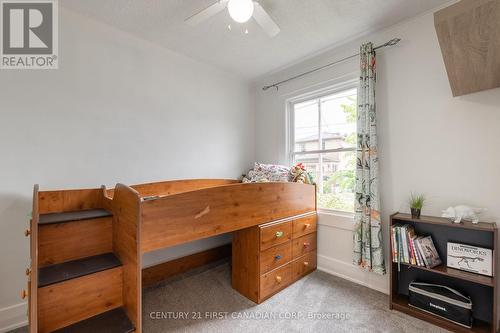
(368,246)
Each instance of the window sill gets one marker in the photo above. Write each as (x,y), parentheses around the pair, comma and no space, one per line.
(336,219)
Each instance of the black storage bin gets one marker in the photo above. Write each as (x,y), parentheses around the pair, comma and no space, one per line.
(442,301)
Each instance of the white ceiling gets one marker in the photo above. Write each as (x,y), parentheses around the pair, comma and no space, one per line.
(307,26)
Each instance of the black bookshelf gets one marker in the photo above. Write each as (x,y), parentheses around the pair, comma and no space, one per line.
(482,289)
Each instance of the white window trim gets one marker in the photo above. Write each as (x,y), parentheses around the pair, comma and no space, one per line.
(290,135)
(336,219)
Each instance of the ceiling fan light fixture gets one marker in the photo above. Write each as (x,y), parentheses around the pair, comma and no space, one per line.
(240,10)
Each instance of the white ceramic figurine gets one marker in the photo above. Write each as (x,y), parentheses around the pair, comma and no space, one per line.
(458,213)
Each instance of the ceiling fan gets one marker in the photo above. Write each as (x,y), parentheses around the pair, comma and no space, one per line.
(240,11)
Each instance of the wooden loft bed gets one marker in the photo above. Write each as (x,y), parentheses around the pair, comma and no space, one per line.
(87,244)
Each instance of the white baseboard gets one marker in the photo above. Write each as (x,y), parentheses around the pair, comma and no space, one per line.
(13,317)
(352,273)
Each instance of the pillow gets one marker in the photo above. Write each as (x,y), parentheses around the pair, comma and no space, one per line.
(268,172)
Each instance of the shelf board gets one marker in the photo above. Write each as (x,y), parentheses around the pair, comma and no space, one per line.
(400,302)
(113,321)
(455,273)
(482,226)
(76,268)
(79,215)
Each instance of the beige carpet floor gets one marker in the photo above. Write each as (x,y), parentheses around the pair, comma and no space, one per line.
(203,301)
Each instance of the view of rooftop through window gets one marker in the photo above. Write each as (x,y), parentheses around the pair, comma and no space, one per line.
(324,140)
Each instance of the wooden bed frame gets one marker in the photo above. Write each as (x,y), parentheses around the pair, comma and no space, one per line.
(144,218)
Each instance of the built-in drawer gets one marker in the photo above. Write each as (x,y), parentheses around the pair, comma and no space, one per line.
(303,245)
(304,265)
(304,225)
(275,280)
(275,257)
(275,234)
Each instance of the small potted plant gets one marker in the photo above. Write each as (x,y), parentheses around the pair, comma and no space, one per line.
(416,202)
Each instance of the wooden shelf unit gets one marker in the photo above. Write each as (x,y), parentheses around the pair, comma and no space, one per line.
(482,289)
(86,245)
(76,280)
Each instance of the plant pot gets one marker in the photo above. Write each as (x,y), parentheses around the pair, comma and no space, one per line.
(415,213)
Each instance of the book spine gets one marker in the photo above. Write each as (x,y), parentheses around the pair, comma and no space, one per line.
(393,245)
(415,251)
(435,260)
(422,252)
(412,250)
(405,245)
(398,240)
(400,244)
(420,255)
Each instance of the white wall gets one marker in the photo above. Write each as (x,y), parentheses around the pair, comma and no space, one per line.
(119,109)
(430,142)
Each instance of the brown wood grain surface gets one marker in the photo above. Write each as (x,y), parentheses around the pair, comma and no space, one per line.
(304,225)
(275,234)
(275,257)
(188,216)
(304,265)
(33,269)
(274,281)
(62,242)
(71,301)
(190,210)
(170,187)
(69,200)
(126,242)
(304,244)
(245,262)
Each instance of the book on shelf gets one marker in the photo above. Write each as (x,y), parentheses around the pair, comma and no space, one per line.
(429,252)
(412,249)
(415,252)
(419,255)
(394,249)
(411,235)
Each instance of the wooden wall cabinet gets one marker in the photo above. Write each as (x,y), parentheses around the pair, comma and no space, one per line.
(469,37)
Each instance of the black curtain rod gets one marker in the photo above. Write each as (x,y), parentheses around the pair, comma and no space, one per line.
(392,42)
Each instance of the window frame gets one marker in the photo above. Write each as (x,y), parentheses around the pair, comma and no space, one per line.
(290,139)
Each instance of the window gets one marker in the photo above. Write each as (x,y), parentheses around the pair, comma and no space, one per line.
(323,139)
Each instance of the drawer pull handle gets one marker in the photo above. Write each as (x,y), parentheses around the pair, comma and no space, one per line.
(279,234)
(24,293)
(307,225)
(27,232)
(277,257)
(278,279)
(307,244)
(306,263)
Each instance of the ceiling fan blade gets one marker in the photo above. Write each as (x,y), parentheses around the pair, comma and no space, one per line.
(206,13)
(264,20)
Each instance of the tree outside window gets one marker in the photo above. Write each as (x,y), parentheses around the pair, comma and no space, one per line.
(324,140)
